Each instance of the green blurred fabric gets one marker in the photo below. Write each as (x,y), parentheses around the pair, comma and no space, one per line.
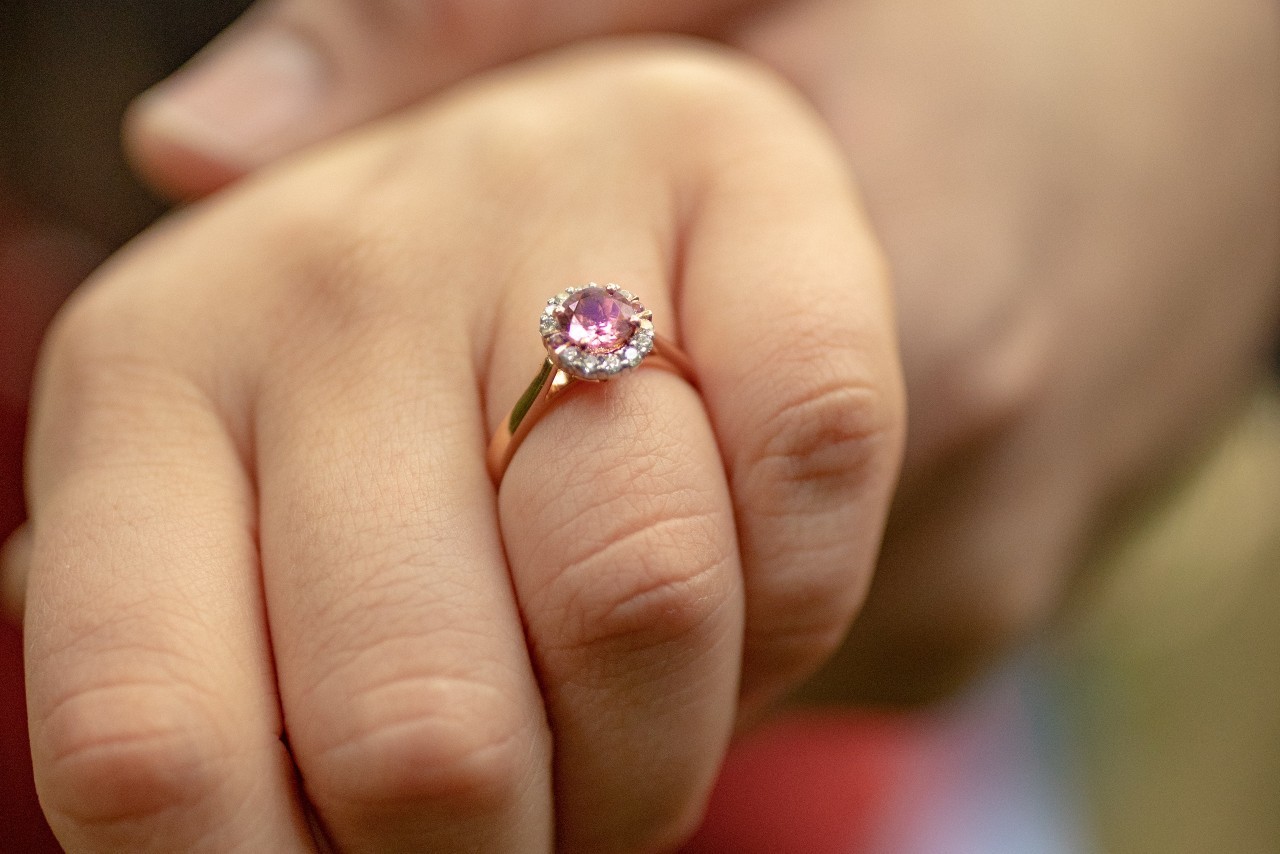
(1172,660)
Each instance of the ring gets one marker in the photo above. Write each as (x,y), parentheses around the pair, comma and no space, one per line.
(592,334)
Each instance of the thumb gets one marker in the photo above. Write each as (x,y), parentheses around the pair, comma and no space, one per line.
(291,72)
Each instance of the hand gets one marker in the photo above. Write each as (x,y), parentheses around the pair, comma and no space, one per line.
(1086,267)
(1085,260)
(259,502)
(292,72)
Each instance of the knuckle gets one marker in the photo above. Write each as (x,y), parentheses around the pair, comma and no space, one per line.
(990,389)
(343,298)
(824,442)
(454,743)
(95,333)
(507,142)
(118,755)
(642,584)
(726,106)
(703,82)
(344,275)
(107,368)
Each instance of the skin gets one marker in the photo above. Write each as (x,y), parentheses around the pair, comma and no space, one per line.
(970,141)
(1086,268)
(259,504)
(1056,198)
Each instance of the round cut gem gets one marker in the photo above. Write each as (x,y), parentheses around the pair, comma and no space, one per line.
(597,321)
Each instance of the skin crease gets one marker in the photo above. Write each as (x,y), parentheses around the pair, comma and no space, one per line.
(1056,199)
(1060,231)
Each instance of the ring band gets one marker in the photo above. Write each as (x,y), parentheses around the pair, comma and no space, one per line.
(592,334)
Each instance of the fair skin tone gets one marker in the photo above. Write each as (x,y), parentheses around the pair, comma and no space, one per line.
(258,499)
(1009,352)
(1035,172)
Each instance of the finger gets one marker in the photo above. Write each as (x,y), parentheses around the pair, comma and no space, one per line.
(619,530)
(408,695)
(292,72)
(787,313)
(154,719)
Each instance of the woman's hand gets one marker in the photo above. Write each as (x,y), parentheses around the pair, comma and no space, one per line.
(259,504)
(1080,204)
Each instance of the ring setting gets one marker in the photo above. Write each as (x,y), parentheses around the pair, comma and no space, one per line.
(591,334)
(596,333)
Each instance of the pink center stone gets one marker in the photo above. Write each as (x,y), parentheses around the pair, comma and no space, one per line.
(597,321)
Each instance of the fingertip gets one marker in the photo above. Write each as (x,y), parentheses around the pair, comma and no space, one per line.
(255,94)
(158,145)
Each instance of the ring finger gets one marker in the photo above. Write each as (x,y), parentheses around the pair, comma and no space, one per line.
(619,530)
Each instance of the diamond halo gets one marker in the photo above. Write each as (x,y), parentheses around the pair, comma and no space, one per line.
(596,333)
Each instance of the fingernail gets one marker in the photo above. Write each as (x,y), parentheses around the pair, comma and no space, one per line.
(246,99)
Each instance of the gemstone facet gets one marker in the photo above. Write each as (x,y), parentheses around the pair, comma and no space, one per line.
(597,321)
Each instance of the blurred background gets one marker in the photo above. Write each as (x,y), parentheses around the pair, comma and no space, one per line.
(1149,721)
(67,70)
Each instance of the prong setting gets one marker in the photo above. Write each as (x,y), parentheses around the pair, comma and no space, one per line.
(596,333)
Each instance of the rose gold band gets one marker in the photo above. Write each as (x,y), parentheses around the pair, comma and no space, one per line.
(549,386)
